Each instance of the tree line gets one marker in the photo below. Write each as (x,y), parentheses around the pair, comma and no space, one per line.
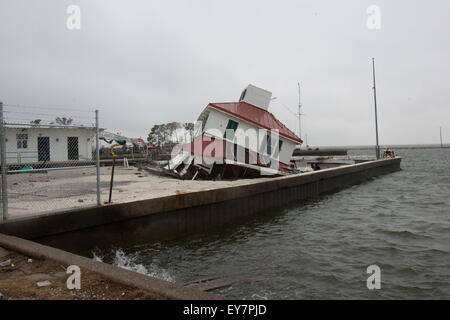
(161,134)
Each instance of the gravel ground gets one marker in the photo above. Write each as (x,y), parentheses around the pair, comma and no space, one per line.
(20,275)
(33,193)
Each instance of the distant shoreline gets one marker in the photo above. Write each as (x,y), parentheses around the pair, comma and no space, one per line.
(399,147)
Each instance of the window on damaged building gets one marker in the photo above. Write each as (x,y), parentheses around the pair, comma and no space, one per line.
(204,121)
(267,147)
(22,140)
(278,149)
(269,144)
(230,130)
(263,146)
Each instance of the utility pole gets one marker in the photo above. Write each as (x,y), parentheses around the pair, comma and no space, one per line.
(299,113)
(440,132)
(377,148)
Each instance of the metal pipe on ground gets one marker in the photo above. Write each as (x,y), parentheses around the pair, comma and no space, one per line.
(112,170)
(112,179)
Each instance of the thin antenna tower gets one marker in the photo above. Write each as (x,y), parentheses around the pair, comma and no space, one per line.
(299,113)
(440,132)
(375,101)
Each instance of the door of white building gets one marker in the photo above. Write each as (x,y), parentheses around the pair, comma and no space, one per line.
(43,148)
(72,148)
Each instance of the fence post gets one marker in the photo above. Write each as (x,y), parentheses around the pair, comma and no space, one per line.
(97,156)
(4,193)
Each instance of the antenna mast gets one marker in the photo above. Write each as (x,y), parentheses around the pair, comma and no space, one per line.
(375,101)
(440,131)
(299,113)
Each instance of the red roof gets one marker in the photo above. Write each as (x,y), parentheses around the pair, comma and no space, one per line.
(256,116)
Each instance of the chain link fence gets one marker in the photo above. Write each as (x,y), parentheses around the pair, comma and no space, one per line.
(49,159)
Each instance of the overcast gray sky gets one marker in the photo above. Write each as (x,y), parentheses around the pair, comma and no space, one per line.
(149,62)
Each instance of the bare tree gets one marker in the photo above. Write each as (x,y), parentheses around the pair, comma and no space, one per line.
(64,121)
(189,127)
(172,128)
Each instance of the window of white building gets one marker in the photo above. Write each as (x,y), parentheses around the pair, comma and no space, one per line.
(22,140)
(230,130)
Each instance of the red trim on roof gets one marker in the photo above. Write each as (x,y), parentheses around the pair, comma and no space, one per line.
(256,116)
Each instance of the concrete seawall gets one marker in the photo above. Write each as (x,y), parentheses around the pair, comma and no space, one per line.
(181,215)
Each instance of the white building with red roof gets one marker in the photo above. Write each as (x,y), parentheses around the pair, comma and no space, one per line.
(243,134)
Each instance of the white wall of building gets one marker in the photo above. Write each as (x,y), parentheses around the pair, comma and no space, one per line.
(217,123)
(58,143)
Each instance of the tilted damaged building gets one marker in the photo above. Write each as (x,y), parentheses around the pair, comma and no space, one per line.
(237,139)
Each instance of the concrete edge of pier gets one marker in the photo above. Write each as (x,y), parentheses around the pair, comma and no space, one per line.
(180,215)
(161,288)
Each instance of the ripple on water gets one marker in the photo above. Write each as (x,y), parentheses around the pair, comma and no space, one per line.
(321,248)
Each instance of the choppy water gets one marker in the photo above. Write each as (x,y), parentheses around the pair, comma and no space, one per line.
(321,248)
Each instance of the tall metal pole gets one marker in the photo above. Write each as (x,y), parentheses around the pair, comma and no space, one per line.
(377,148)
(4,194)
(299,113)
(97,156)
(440,132)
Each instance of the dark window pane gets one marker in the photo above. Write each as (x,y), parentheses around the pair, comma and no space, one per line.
(263,145)
(277,149)
(204,122)
(231,126)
